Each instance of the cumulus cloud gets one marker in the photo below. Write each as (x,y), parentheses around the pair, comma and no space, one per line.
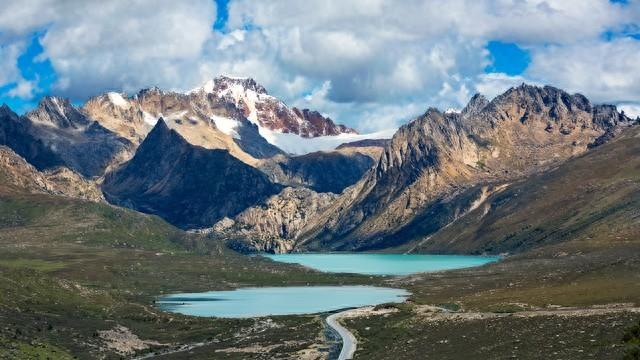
(9,71)
(24,89)
(603,71)
(379,55)
(125,45)
(493,84)
(370,63)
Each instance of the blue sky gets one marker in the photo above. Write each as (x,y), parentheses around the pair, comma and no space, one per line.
(371,66)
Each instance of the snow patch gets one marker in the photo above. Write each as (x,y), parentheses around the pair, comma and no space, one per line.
(452,111)
(149,119)
(207,88)
(118,100)
(58,106)
(227,126)
(298,145)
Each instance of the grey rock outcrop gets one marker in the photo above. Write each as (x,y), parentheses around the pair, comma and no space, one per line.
(274,225)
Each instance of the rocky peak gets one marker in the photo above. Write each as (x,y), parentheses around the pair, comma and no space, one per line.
(548,98)
(5,109)
(222,83)
(420,144)
(59,112)
(477,103)
(154,90)
(320,125)
(267,111)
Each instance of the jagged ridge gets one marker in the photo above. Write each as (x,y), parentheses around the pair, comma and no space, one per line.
(439,156)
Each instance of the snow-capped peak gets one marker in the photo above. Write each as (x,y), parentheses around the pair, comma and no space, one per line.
(268,112)
(227,125)
(224,82)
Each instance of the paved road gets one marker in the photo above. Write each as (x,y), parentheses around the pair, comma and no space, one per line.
(349,341)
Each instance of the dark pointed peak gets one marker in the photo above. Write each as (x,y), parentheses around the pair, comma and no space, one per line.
(5,108)
(160,127)
(161,124)
(162,131)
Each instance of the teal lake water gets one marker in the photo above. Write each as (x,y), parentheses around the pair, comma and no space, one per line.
(254,302)
(382,264)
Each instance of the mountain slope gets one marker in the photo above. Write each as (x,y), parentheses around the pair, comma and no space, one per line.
(187,185)
(322,171)
(16,133)
(427,173)
(202,119)
(17,174)
(572,201)
(56,133)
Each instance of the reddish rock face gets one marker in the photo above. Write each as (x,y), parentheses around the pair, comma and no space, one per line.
(271,113)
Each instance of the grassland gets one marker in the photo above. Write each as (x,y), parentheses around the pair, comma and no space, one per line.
(78,279)
(71,272)
(578,230)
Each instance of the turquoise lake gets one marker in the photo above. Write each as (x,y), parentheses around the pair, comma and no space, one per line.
(290,300)
(382,264)
(254,302)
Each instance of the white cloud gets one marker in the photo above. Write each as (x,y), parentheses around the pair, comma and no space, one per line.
(631,110)
(493,84)
(24,89)
(9,71)
(370,63)
(115,45)
(603,71)
(381,57)
(295,144)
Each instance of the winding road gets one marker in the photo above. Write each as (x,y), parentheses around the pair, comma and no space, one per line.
(349,342)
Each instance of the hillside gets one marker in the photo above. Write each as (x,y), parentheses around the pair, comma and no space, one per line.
(594,193)
(78,280)
(433,169)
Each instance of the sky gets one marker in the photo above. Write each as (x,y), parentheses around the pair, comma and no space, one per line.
(371,64)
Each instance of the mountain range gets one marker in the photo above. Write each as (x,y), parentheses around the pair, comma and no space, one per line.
(225,159)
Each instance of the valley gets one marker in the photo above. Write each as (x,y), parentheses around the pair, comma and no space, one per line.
(109,209)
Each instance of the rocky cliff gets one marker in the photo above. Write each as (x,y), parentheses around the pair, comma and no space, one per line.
(274,225)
